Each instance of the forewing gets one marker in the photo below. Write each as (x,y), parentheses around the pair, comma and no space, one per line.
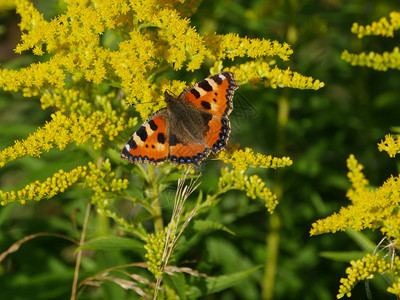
(149,144)
(213,94)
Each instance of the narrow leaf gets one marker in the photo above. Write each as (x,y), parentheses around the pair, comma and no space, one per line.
(343,256)
(176,281)
(200,225)
(205,286)
(361,239)
(114,243)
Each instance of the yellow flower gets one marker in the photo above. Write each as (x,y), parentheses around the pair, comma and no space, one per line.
(63,130)
(390,145)
(376,61)
(355,174)
(243,159)
(177,40)
(100,179)
(252,185)
(366,268)
(395,288)
(370,208)
(383,27)
(155,247)
(231,45)
(254,72)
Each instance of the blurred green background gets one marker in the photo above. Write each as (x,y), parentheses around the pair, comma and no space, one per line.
(351,114)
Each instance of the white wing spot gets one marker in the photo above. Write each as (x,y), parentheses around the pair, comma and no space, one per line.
(214,106)
(201,91)
(160,147)
(138,140)
(212,83)
(127,147)
(149,130)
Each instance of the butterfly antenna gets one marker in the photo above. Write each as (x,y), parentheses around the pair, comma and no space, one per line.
(134,104)
(171,75)
(170,93)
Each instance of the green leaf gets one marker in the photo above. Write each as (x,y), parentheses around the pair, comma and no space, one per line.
(114,155)
(177,283)
(395,129)
(6,211)
(141,216)
(201,225)
(343,256)
(361,239)
(205,286)
(114,243)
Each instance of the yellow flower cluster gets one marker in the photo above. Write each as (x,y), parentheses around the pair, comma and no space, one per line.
(63,130)
(231,45)
(356,177)
(103,183)
(366,268)
(99,179)
(255,72)
(243,159)
(73,39)
(79,27)
(177,40)
(252,185)
(395,288)
(390,145)
(155,248)
(383,27)
(34,77)
(376,61)
(370,208)
(185,7)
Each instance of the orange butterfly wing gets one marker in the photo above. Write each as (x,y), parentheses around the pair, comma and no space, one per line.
(218,133)
(213,94)
(149,144)
(187,154)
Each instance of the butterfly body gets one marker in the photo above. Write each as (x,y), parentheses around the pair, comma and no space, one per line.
(188,118)
(189,128)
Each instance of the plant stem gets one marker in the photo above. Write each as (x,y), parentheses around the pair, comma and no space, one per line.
(273,236)
(272,257)
(155,200)
(79,254)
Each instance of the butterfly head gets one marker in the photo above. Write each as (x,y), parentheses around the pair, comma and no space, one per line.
(168,97)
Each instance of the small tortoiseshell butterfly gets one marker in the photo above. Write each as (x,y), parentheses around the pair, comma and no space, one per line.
(189,128)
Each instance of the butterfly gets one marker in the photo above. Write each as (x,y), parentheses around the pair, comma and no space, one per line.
(191,126)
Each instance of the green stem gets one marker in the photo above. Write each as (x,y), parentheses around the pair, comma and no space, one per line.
(273,236)
(79,253)
(155,199)
(272,257)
